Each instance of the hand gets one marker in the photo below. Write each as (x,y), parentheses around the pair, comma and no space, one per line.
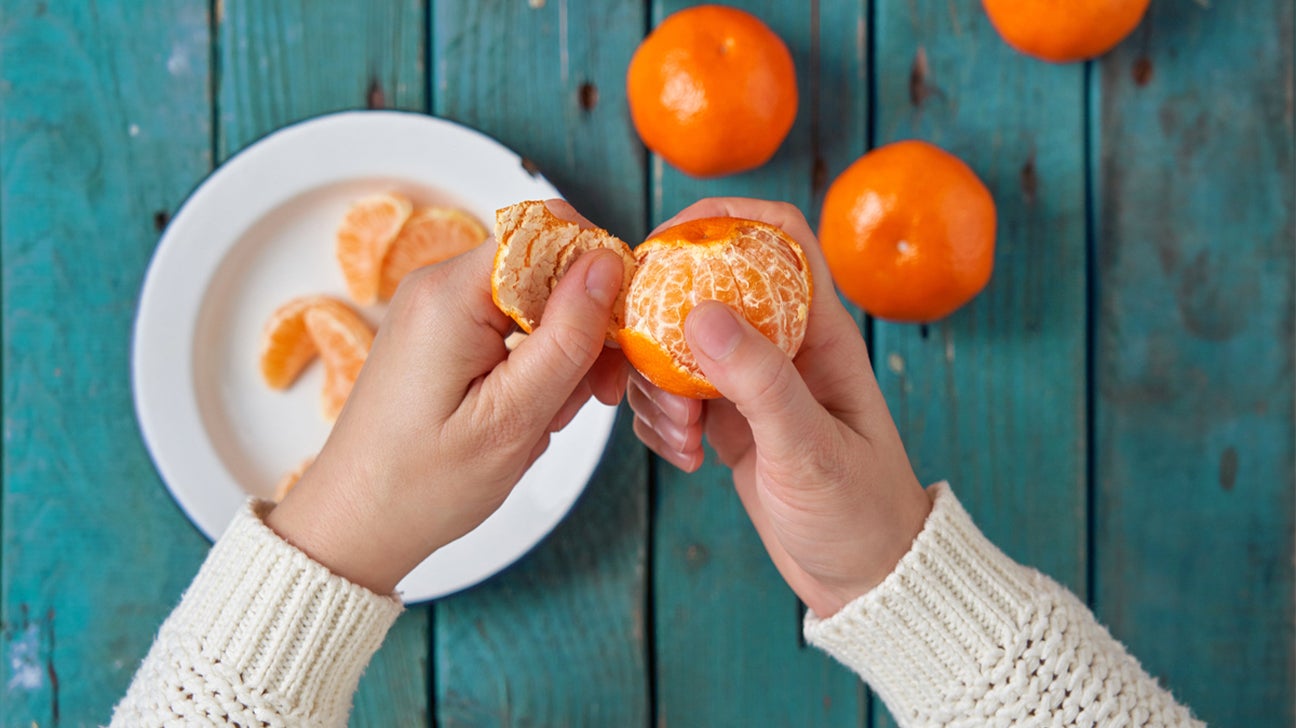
(816,458)
(444,420)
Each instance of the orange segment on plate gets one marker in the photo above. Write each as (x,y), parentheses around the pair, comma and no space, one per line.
(343,340)
(286,346)
(755,268)
(430,235)
(316,325)
(367,231)
(536,247)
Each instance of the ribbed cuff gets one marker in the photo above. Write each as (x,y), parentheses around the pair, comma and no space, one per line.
(280,621)
(926,637)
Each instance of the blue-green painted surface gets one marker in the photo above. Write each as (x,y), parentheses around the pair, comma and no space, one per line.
(1195,232)
(1116,409)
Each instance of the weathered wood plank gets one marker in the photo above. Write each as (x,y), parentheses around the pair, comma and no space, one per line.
(727,628)
(282,62)
(104,126)
(994,397)
(1194,354)
(279,63)
(559,639)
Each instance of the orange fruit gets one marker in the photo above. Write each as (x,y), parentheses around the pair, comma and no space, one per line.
(343,340)
(366,232)
(755,268)
(286,344)
(712,90)
(1064,30)
(286,347)
(908,231)
(314,326)
(430,235)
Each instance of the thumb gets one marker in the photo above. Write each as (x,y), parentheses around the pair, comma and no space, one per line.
(539,376)
(754,374)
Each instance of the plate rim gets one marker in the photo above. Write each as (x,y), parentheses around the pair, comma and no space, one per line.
(149,286)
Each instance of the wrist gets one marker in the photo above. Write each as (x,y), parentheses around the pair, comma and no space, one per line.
(884,544)
(342,527)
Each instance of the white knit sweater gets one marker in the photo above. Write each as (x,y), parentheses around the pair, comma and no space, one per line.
(957,635)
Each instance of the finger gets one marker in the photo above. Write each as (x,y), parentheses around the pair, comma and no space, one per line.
(782,215)
(680,437)
(563,209)
(749,496)
(568,411)
(829,319)
(607,378)
(683,410)
(544,370)
(449,302)
(688,462)
(537,450)
(833,356)
(754,374)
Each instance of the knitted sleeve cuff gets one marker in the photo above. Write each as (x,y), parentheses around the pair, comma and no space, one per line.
(938,624)
(265,615)
(961,635)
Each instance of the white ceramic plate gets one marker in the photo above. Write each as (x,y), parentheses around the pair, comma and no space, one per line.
(258,232)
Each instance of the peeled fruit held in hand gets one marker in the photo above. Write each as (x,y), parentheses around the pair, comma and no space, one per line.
(908,231)
(712,90)
(1062,31)
(755,268)
(314,326)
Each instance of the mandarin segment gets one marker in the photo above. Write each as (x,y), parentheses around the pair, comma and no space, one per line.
(363,238)
(286,346)
(429,236)
(343,340)
(314,326)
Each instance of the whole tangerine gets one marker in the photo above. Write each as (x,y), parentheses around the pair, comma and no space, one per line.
(712,90)
(1063,31)
(908,231)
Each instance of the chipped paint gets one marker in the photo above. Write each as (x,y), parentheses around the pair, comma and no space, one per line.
(25,669)
(895,363)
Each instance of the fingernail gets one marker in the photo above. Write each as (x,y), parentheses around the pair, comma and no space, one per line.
(603,279)
(713,329)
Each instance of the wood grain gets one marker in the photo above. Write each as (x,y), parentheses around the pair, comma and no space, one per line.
(1194,359)
(728,630)
(993,398)
(100,139)
(560,638)
(279,63)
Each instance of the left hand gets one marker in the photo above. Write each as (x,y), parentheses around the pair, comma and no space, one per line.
(444,420)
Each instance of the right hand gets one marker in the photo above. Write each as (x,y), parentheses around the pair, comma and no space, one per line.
(816,458)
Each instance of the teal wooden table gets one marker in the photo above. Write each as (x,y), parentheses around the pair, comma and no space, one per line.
(1116,409)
